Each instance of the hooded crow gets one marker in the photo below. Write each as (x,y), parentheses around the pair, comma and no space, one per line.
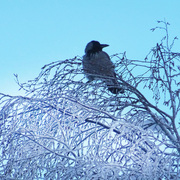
(98,65)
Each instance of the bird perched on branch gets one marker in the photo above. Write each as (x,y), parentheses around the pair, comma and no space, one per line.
(98,65)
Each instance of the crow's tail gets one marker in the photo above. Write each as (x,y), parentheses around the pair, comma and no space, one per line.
(116,90)
(114,86)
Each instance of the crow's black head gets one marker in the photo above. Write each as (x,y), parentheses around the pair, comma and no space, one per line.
(94,47)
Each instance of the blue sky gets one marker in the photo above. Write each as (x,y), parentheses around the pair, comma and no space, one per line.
(36,32)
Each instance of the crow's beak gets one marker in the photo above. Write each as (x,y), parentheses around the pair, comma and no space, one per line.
(104,45)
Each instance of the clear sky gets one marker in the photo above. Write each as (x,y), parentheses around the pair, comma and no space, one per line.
(36,32)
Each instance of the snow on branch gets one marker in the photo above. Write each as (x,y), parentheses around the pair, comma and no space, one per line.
(68,128)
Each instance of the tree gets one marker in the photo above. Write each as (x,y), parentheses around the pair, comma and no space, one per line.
(65,128)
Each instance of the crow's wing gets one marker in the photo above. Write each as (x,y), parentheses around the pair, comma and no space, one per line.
(100,66)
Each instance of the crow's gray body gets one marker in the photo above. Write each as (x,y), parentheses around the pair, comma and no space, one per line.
(98,65)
